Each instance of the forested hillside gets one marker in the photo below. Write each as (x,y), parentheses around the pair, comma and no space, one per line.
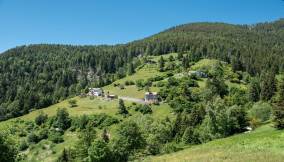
(36,76)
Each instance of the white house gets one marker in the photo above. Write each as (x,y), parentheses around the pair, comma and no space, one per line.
(95,92)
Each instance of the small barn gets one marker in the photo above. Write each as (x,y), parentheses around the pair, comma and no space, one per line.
(151,97)
(95,92)
(110,96)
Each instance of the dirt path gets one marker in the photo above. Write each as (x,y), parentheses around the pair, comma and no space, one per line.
(137,100)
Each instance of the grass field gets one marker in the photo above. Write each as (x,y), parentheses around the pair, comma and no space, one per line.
(265,144)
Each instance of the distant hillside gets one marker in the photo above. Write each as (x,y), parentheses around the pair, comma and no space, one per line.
(37,76)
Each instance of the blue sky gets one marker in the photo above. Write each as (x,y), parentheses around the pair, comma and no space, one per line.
(85,22)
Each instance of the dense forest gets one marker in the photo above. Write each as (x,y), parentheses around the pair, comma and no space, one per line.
(36,76)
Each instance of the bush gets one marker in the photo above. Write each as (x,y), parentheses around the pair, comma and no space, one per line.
(145,109)
(62,119)
(80,122)
(121,86)
(72,103)
(153,145)
(254,123)
(7,150)
(23,145)
(129,82)
(55,137)
(160,84)
(260,111)
(116,84)
(66,155)
(190,136)
(33,138)
(99,151)
(43,134)
(170,74)
(156,78)
(169,148)
(41,118)
(140,84)
(22,133)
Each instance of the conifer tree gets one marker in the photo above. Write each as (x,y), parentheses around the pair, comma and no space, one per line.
(131,69)
(281,89)
(122,109)
(267,85)
(254,90)
(161,64)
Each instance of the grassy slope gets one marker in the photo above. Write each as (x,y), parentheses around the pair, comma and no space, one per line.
(262,145)
(145,72)
(46,151)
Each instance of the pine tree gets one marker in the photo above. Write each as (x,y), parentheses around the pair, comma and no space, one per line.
(236,63)
(185,62)
(281,89)
(254,90)
(65,156)
(63,120)
(278,113)
(179,56)
(161,64)
(171,58)
(268,85)
(131,69)
(122,108)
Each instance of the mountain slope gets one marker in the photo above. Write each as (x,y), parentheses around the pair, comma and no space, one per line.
(36,76)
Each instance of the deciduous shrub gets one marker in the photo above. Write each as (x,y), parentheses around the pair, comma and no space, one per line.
(260,111)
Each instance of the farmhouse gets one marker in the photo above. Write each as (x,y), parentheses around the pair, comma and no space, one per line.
(151,97)
(95,92)
(199,74)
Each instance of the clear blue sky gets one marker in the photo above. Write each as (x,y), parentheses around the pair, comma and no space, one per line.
(118,21)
